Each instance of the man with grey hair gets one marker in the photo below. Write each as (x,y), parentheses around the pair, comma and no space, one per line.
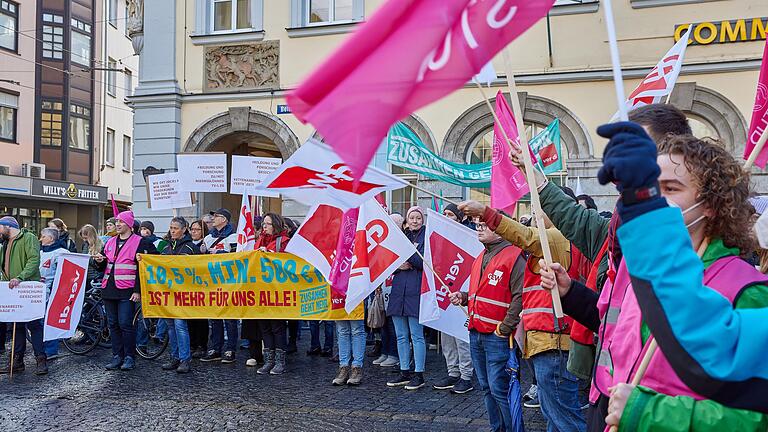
(19,262)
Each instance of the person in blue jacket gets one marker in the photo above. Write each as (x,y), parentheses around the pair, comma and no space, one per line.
(716,350)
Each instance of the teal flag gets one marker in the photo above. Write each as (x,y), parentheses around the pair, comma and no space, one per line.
(546,147)
(406,150)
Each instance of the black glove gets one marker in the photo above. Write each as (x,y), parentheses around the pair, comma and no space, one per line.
(629,160)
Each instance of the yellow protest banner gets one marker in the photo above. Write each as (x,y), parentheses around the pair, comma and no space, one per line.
(248,285)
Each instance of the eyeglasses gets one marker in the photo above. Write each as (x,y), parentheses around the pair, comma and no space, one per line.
(266,224)
(195,229)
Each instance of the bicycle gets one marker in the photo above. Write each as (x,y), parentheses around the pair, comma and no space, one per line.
(150,328)
(92,328)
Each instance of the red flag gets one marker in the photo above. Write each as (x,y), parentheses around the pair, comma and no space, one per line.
(408,54)
(759,115)
(342,260)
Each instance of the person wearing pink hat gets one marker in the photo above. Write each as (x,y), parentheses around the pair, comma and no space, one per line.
(121,289)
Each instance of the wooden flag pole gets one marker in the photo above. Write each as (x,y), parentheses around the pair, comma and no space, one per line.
(13,353)
(427,265)
(756,151)
(432,194)
(618,81)
(530,174)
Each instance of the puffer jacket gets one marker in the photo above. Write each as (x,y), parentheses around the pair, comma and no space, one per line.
(406,285)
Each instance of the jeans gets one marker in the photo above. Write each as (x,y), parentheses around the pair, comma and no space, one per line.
(36,329)
(273,334)
(457,357)
(409,326)
(558,392)
(490,354)
(351,342)
(389,338)
(121,328)
(314,333)
(178,339)
(51,347)
(217,335)
(142,337)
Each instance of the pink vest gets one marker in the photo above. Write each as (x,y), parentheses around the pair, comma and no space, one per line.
(728,276)
(609,306)
(124,265)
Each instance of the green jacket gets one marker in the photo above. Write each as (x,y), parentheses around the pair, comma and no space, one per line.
(25,258)
(651,411)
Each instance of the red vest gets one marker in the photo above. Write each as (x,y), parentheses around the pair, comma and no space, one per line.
(537,301)
(489,295)
(579,333)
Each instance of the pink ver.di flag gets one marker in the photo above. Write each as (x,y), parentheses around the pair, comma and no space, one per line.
(342,263)
(409,54)
(508,183)
(759,115)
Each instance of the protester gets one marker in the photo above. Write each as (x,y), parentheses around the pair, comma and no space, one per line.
(452,212)
(121,289)
(20,262)
(710,189)
(50,250)
(221,238)
(547,338)
(208,221)
(66,242)
(291,226)
(404,307)
(92,246)
(351,352)
(273,238)
(198,328)
(109,230)
(494,305)
(178,334)
(595,237)
(147,230)
(326,350)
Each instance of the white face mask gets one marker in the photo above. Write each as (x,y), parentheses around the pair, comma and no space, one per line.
(699,219)
(761,229)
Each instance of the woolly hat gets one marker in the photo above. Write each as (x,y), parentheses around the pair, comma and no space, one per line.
(148,225)
(415,209)
(9,221)
(453,208)
(126,217)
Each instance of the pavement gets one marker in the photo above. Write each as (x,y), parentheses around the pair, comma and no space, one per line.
(78,394)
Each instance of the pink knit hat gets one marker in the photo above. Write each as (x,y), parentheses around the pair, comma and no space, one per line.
(415,209)
(126,217)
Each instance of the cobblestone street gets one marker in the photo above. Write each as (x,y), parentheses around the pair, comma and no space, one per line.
(78,394)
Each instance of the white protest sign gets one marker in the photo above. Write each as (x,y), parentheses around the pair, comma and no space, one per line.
(202,172)
(249,171)
(165,192)
(24,303)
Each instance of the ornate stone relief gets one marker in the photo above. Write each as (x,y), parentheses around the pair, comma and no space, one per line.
(251,66)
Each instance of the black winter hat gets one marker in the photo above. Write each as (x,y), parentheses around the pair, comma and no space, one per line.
(148,225)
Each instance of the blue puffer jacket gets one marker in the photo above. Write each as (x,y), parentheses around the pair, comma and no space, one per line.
(406,286)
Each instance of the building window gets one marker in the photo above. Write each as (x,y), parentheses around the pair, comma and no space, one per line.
(111,77)
(227,12)
(127,153)
(109,151)
(50,124)
(9,19)
(9,105)
(53,36)
(112,11)
(81,43)
(128,82)
(79,127)
(329,11)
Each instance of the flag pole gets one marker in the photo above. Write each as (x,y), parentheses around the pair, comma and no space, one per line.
(756,151)
(13,352)
(615,60)
(432,194)
(424,260)
(529,171)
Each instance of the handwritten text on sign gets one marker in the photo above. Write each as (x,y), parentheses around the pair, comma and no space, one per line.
(165,192)
(240,285)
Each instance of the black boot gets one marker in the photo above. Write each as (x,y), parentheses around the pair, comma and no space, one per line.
(42,365)
(376,350)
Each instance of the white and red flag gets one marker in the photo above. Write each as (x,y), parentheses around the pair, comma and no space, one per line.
(759,114)
(379,247)
(408,54)
(314,172)
(450,250)
(65,304)
(660,81)
(246,233)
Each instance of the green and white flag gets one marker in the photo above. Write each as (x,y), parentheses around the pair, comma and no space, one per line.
(546,147)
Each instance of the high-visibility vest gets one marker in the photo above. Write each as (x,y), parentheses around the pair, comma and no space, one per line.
(122,263)
(489,294)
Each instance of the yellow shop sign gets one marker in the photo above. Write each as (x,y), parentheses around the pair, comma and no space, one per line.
(738,30)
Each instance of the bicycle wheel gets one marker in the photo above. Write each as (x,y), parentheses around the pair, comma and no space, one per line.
(88,332)
(151,336)
(106,338)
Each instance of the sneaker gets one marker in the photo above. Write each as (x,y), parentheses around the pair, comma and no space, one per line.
(211,356)
(355,376)
(446,383)
(463,386)
(115,364)
(533,403)
(416,382)
(171,365)
(341,376)
(183,367)
(251,363)
(229,357)
(402,379)
(532,393)
(381,359)
(390,362)
(128,364)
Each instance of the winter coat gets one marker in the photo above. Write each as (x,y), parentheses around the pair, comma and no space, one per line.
(93,267)
(406,285)
(269,242)
(66,242)
(225,240)
(183,246)
(24,258)
(48,260)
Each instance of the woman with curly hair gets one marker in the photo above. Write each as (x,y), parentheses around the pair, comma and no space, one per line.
(708,191)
